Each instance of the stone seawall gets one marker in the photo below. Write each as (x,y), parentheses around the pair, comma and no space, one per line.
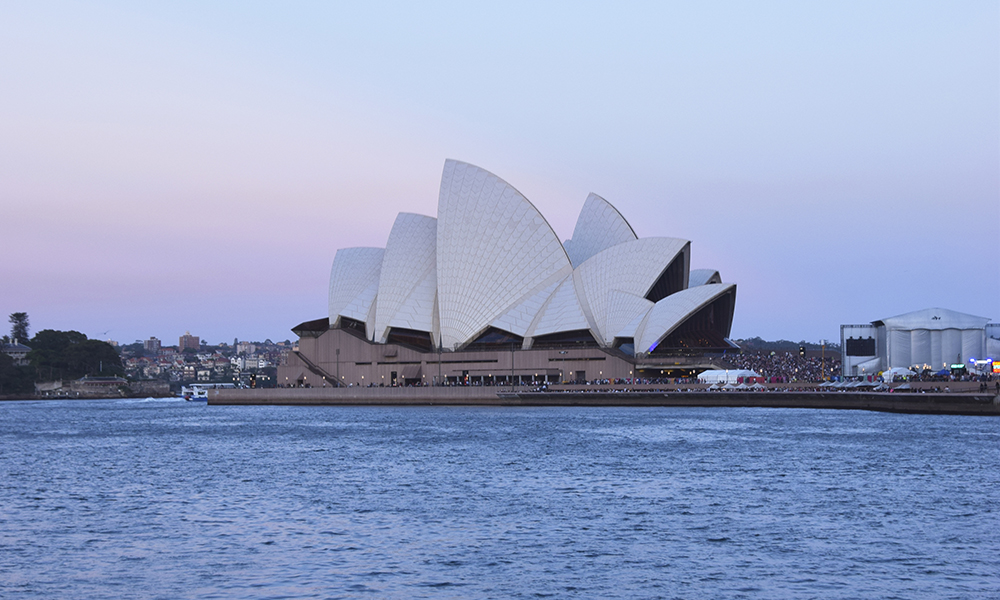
(959,404)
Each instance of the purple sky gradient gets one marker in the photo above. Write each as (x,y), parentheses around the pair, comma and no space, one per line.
(191,167)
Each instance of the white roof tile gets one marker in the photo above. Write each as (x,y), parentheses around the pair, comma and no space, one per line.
(624,309)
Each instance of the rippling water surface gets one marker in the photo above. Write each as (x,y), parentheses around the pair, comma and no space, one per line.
(167,499)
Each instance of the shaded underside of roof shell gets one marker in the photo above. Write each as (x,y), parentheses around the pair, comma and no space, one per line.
(671,312)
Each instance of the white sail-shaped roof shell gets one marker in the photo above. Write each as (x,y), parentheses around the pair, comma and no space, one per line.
(354,281)
(519,318)
(408,280)
(703,276)
(628,331)
(623,310)
(493,248)
(562,311)
(670,312)
(599,227)
(632,267)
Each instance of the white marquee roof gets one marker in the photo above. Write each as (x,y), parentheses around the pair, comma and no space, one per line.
(935,319)
(719,375)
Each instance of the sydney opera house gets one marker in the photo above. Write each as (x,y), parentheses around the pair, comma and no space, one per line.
(486,293)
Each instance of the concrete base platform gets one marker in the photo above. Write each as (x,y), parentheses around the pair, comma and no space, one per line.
(957,404)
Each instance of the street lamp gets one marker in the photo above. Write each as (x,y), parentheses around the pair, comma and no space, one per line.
(512,367)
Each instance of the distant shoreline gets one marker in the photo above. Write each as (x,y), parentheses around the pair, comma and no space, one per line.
(914,403)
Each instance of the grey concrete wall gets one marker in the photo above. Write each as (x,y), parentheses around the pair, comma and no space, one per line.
(967,404)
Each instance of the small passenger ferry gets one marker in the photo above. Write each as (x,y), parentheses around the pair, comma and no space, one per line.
(198,392)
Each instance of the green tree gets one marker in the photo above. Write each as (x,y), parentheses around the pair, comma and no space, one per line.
(14,380)
(19,326)
(136,350)
(93,357)
(70,355)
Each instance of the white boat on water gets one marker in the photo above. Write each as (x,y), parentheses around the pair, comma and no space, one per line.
(198,392)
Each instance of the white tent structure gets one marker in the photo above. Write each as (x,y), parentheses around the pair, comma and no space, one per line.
(933,338)
(890,374)
(723,376)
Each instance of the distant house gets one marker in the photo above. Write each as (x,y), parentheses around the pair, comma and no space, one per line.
(19,352)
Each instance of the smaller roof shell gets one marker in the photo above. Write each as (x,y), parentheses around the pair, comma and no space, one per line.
(703,276)
(624,309)
(562,311)
(408,280)
(354,282)
(632,268)
(599,227)
(670,312)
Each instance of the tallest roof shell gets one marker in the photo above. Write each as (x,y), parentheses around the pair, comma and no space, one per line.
(493,248)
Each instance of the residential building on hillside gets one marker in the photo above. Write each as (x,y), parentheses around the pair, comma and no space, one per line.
(17,351)
(151,345)
(188,341)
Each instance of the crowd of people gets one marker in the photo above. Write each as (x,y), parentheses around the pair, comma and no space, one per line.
(788,367)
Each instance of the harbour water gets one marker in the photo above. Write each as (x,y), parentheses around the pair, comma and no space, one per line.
(168,499)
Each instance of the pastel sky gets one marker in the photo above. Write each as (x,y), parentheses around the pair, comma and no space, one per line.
(194,166)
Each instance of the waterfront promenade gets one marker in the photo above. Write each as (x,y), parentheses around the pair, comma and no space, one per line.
(955,402)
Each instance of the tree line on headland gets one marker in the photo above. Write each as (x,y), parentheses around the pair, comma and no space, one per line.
(53,355)
(759,345)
